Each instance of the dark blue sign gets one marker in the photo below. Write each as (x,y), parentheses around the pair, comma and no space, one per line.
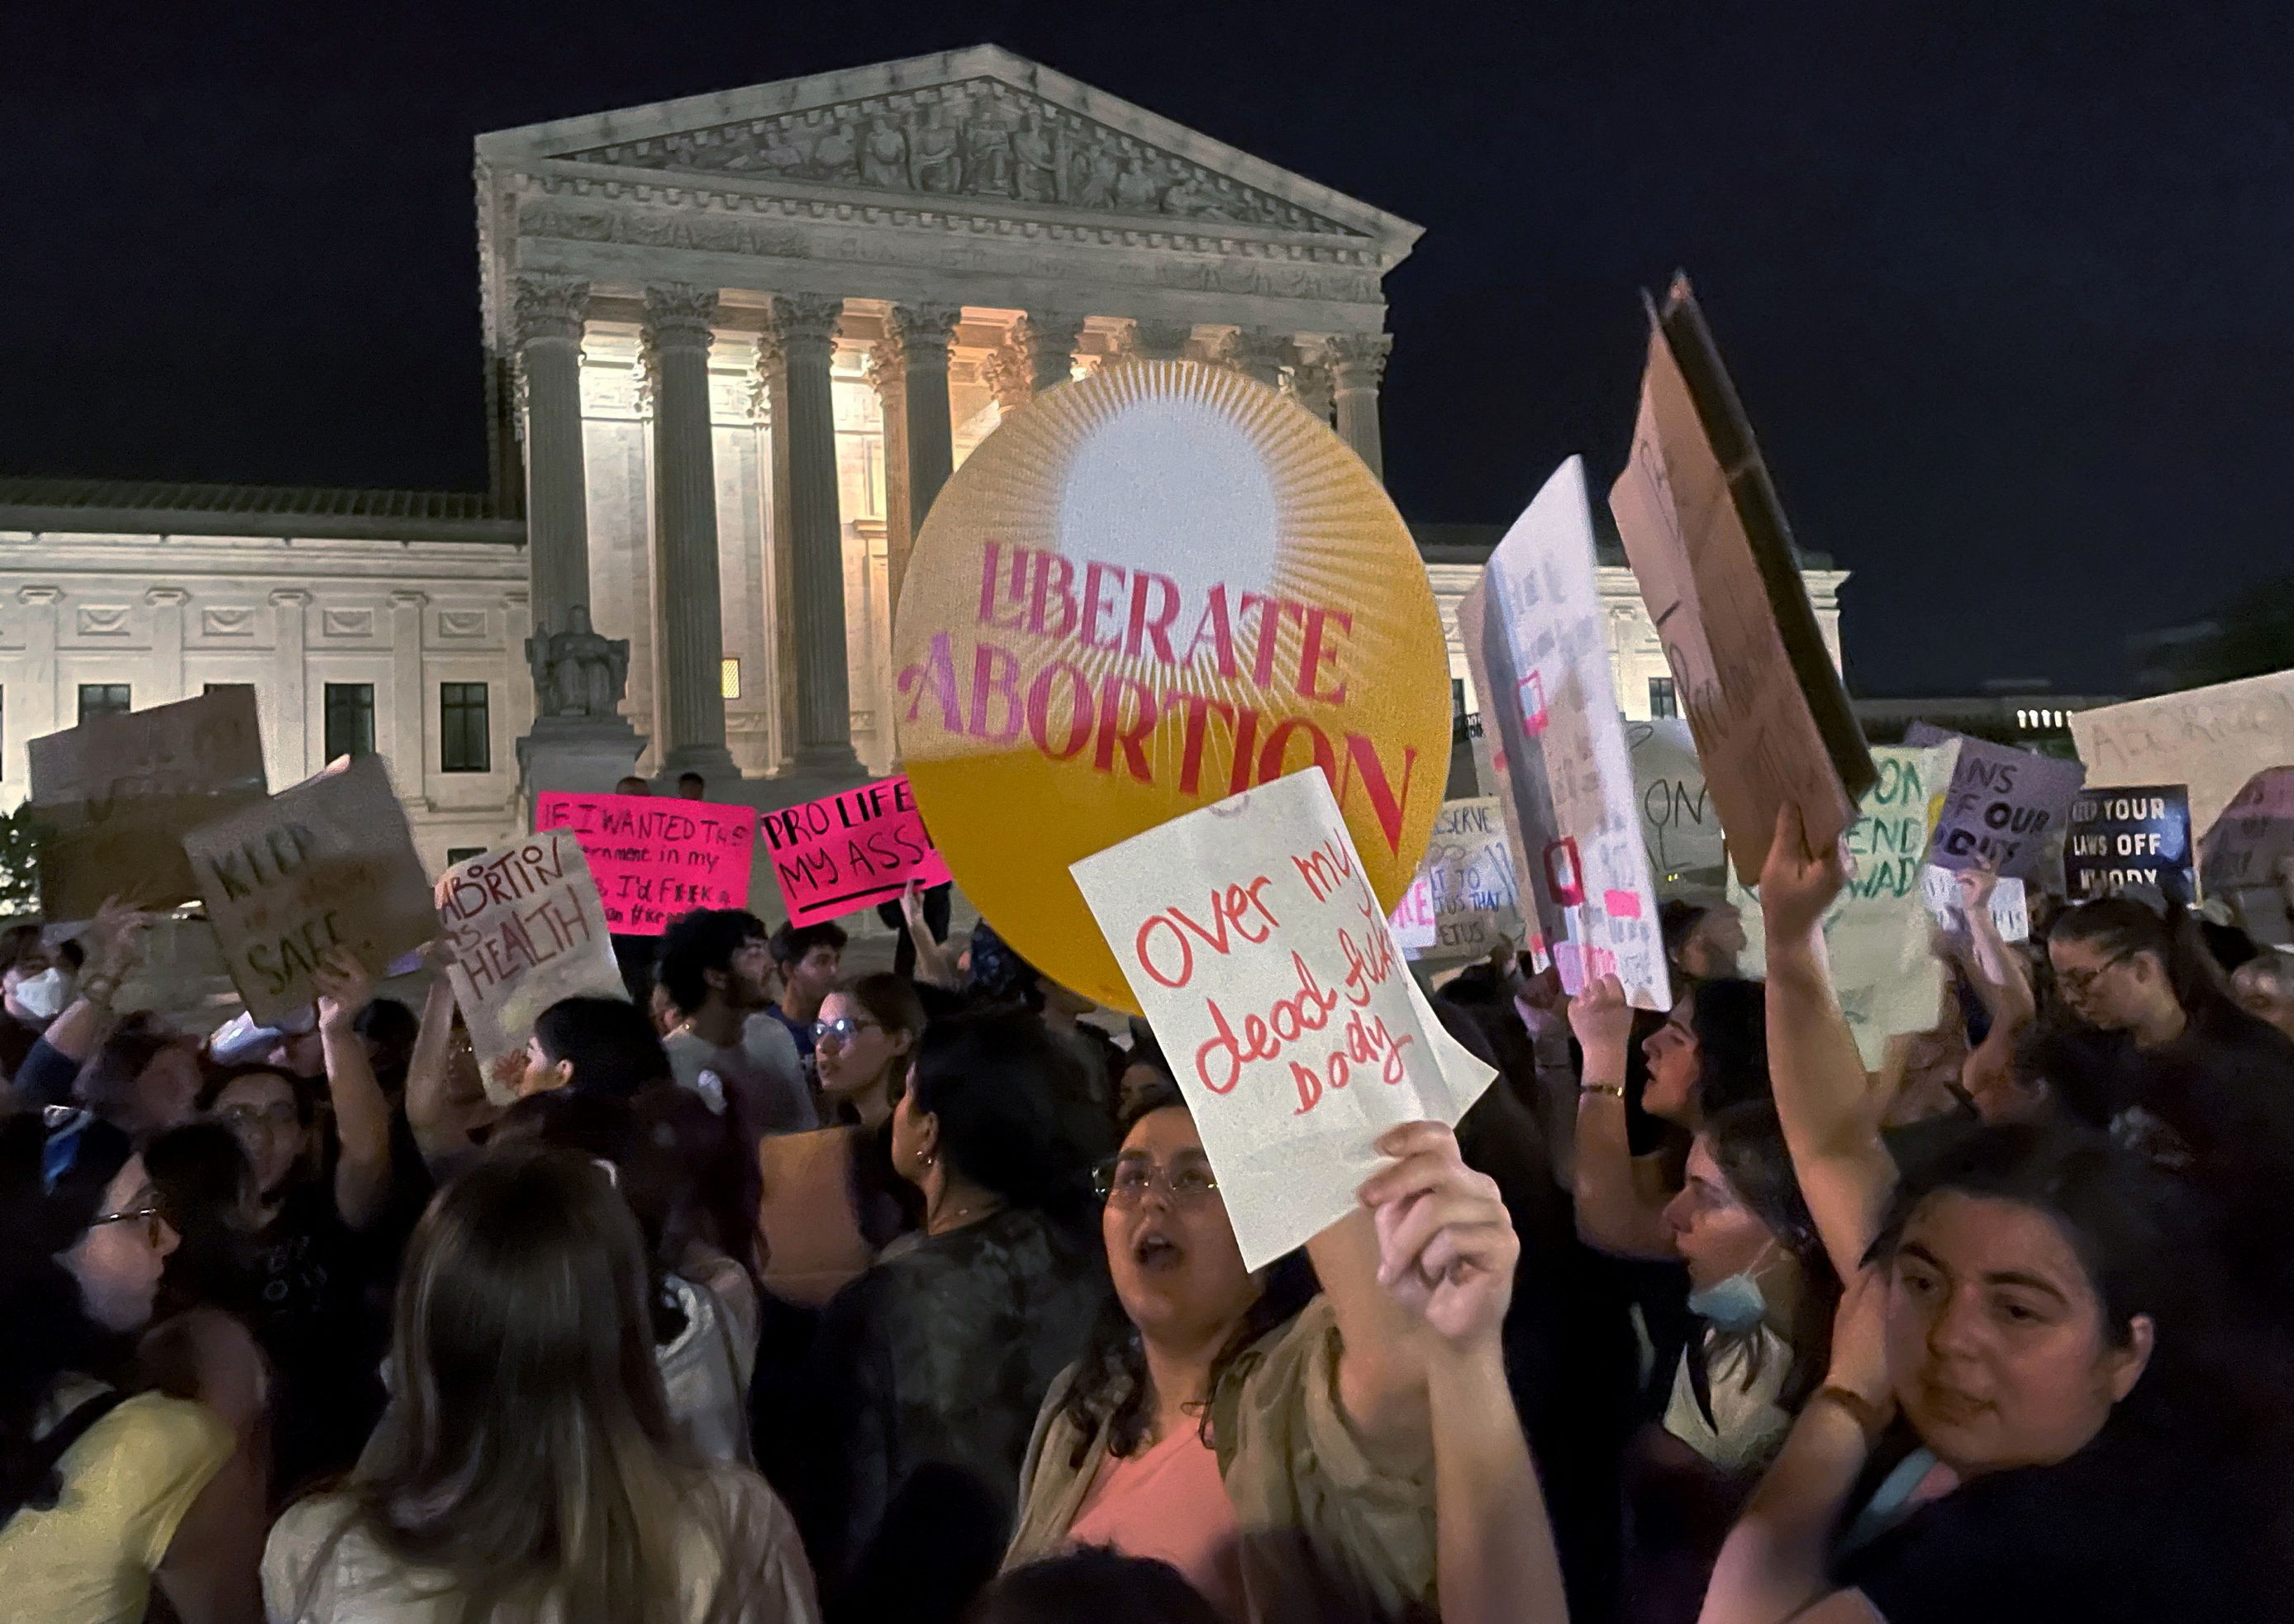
(2132,835)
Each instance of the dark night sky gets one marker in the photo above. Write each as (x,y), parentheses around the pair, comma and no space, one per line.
(2003,286)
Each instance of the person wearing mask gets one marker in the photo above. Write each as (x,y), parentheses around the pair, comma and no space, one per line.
(809,957)
(107,1494)
(1710,1054)
(309,1252)
(34,990)
(732,1049)
(931,1366)
(114,947)
(1270,1440)
(528,1466)
(831,1200)
(1763,1294)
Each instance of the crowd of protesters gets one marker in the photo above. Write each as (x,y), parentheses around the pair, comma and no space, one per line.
(777,1293)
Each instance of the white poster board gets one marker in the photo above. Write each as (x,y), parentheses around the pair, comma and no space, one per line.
(2010,911)
(1680,824)
(1591,867)
(527,929)
(1464,902)
(1252,939)
(2210,739)
(1877,933)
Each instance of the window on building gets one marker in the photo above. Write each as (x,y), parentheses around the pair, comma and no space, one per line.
(103,699)
(463,854)
(350,719)
(225,687)
(728,677)
(465,733)
(1662,701)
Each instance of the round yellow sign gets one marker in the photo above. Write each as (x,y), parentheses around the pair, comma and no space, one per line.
(1146,592)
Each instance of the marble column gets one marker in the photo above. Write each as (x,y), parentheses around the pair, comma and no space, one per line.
(1050,341)
(780,551)
(550,312)
(806,326)
(1357,363)
(910,367)
(1308,381)
(290,685)
(1260,354)
(166,643)
(690,632)
(1158,340)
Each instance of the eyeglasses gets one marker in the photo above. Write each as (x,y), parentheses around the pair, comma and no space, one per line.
(844,1028)
(2078,983)
(1125,1181)
(154,1223)
(280,1113)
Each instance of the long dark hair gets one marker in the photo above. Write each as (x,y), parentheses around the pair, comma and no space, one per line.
(1111,1389)
(609,1042)
(992,1080)
(529,1458)
(1748,1145)
(44,1331)
(2121,927)
(1730,1018)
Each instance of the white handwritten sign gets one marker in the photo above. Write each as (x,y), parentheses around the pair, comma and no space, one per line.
(1545,649)
(2210,739)
(1250,935)
(1463,901)
(328,864)
(2009,909)
(527,929)
(2004,805)
(1875,934)
(1680,824)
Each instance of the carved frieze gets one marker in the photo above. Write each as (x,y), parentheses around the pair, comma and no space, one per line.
(103,620)
(225,620)
(347,623)
(979,138)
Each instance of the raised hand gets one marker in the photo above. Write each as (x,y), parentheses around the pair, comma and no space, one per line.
(1602,1018)
(1798,885)
(345,989)
(1445,1243)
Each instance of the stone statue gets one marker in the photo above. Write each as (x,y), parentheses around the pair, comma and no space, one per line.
(1095,178)
(577,672)
(934,164)
(1039,162)
(1135,187)
(884,155)
(988,155)
(832,155)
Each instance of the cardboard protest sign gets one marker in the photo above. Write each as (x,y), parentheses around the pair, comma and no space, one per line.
(1464,901)
(527,929)
(1680,825)
(1147,591)
(2003,803)
(2241,858)
(328,863)
(654,858)
(1541,659)
(846,851)
(2129,835)
(117,795)
(1260,952)
(2209,739)
(1511,760)
(2009,909)
(1708,543)
(1877,932)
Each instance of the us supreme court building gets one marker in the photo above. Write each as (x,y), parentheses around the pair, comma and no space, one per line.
(735,343)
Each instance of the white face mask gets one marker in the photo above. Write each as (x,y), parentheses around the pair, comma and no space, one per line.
(43,997)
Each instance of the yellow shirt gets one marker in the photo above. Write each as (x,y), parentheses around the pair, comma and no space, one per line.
(128,1482)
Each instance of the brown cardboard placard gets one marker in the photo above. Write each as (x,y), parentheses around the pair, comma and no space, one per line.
(115,795)
(328,863)
(2212,738)
(1708,543)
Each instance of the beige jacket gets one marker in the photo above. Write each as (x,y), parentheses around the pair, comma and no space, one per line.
(1328,1533)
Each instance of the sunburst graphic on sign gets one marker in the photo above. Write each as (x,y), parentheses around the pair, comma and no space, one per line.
(1145,592)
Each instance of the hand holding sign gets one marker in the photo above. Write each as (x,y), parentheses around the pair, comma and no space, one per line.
(1251,934)
(1797,887)
(1446,1247)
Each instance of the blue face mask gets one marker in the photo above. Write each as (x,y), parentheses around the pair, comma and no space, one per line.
(1733,1304)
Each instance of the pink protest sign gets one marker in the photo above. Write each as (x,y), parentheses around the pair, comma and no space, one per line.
(654,859)
(847,850)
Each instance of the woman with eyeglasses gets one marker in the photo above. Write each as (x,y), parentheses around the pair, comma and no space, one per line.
(320,1197)
(1280,1437)
(831,1200)
(929,1369)
(107,1494)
